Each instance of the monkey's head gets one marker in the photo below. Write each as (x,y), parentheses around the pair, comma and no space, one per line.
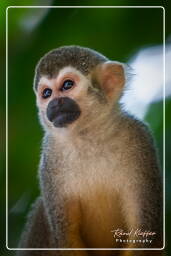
(76,86)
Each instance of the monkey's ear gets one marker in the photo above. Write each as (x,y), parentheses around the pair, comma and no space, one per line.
(111,77)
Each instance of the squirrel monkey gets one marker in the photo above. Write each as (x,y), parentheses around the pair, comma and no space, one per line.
(99,176)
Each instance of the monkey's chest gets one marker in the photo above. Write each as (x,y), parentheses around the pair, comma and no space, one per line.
(98,208)
(101,214)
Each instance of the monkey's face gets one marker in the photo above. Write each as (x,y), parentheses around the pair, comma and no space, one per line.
(62,99)
(71,99)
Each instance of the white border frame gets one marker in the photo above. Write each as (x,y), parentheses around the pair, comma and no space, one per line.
(118,249)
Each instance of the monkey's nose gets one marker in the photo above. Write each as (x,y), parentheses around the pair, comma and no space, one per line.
(62,111)
(53,108)
(55,102)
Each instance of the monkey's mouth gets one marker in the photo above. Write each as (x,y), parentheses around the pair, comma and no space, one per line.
(62,119)
(63,111)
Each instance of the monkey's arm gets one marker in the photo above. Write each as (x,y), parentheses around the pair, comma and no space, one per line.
(37,232)
(63,210)
(142,192)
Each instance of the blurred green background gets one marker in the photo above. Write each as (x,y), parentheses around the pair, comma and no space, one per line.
(118,33)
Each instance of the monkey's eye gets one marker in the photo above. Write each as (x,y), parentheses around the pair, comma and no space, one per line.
(68,84)
(46,93)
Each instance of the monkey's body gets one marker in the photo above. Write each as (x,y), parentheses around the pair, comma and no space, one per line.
(95,179)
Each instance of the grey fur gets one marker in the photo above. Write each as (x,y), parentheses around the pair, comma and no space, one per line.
(84,59)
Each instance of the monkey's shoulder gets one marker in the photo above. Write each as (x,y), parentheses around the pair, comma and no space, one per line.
(136,134)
